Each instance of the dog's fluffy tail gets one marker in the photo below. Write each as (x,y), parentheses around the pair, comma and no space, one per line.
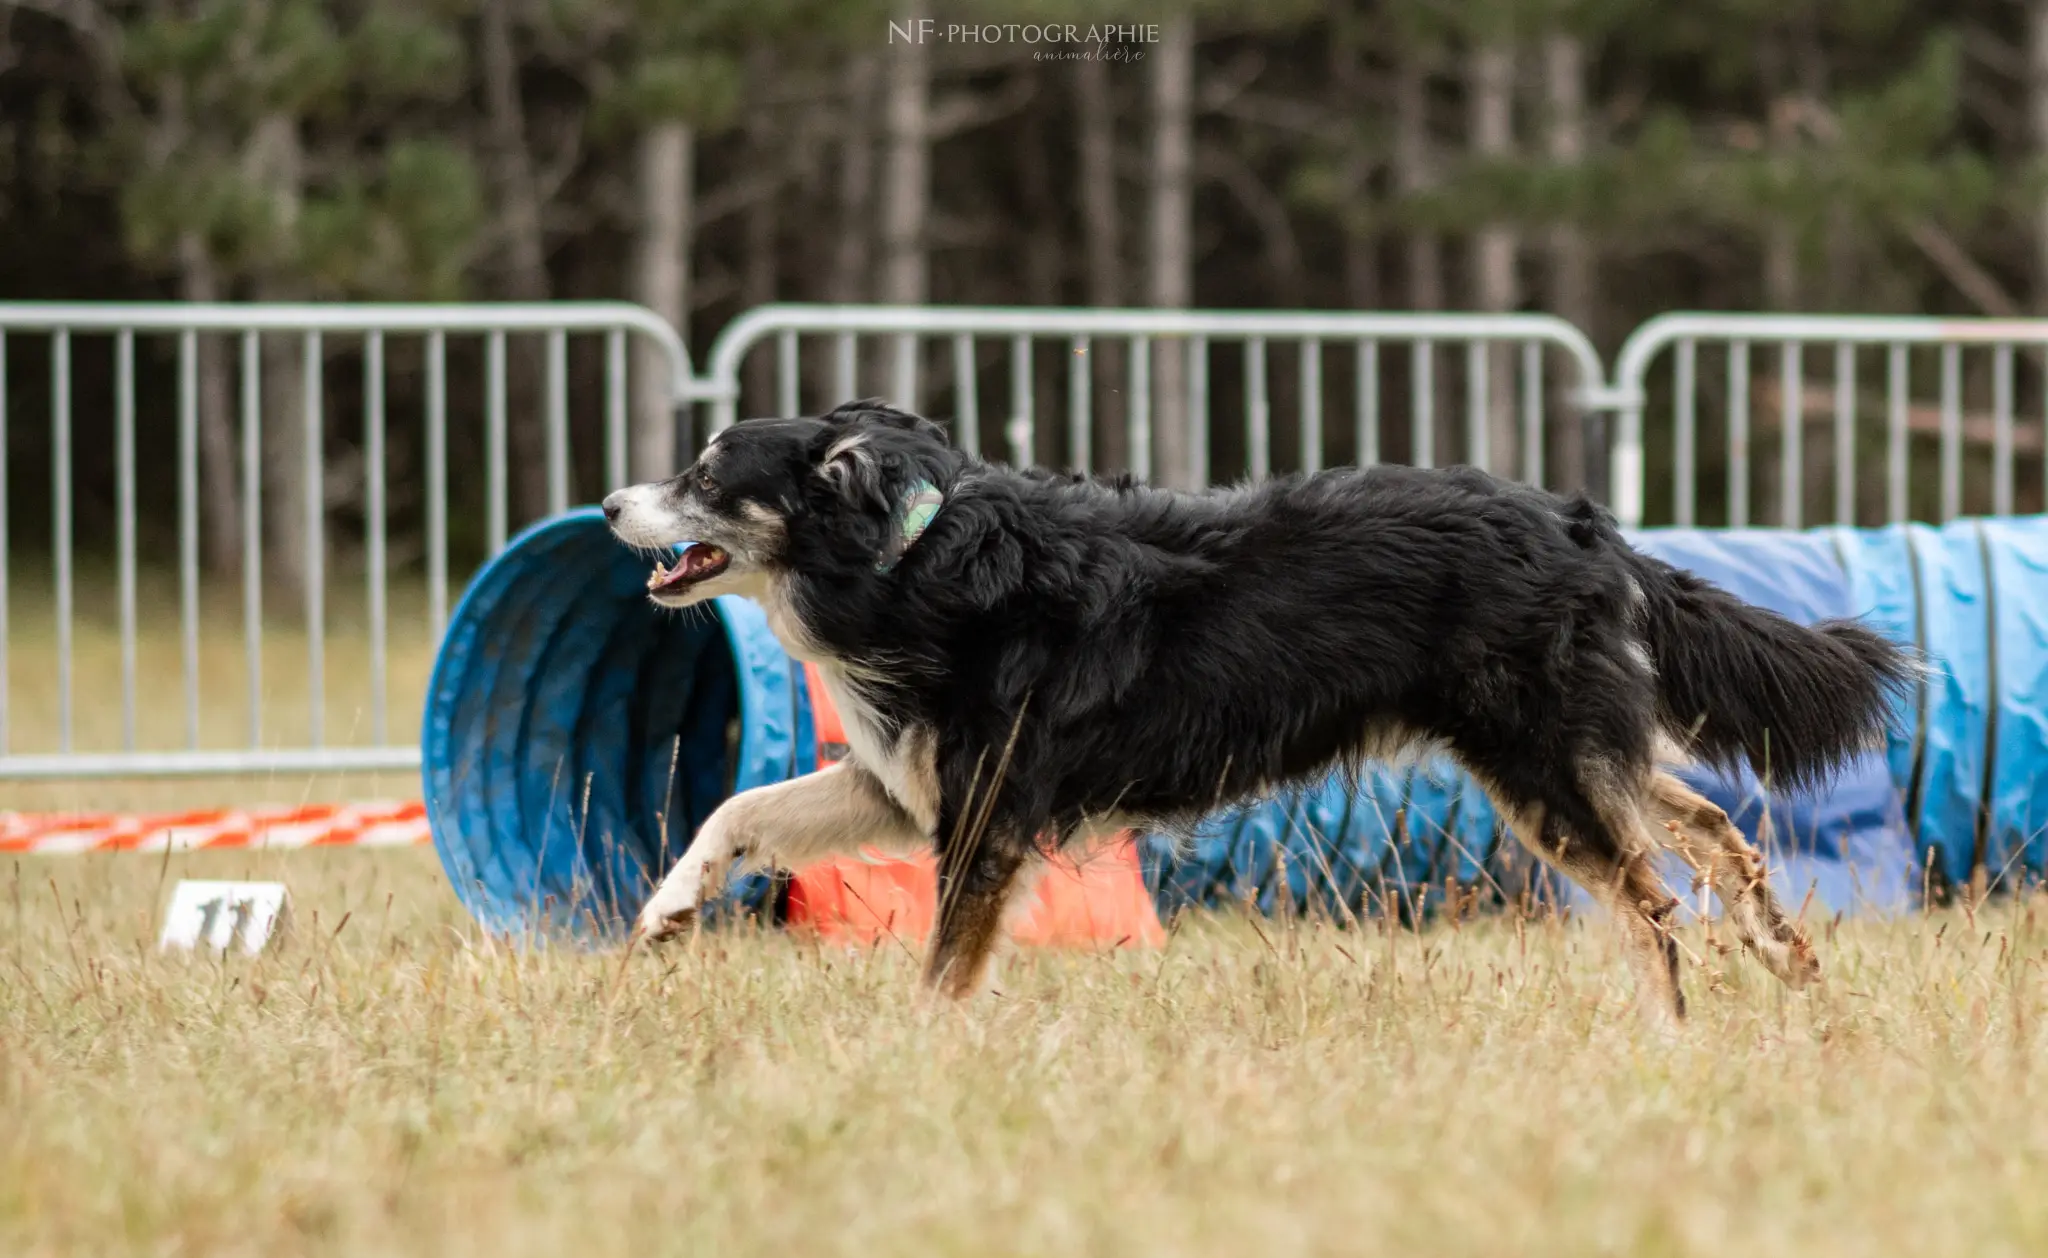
(1738,683)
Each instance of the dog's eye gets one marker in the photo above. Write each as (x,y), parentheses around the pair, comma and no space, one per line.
(704,479)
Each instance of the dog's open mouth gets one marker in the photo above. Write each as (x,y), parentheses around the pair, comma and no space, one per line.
(698,562)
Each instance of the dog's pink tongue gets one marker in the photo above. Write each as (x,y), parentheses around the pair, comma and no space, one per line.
(697,561)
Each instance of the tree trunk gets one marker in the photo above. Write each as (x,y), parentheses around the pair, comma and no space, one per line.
(219,506)
(277,163)
(1415,173)
(1170,270)
(1780,237)
(660,282)
(1097,116)
(1361,244)
(1571,254)
(525,273)
(852,258)
(1362,289)
(1494,279)
(2037,115)
(1781,265)
(906,182)
(758,273)
(1041,283)
(906,199)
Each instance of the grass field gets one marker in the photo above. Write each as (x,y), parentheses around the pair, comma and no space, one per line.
(390,1083)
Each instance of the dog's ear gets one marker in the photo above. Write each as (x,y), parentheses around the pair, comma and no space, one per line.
(869,483)
(854,471)
(862,408)
(874,410)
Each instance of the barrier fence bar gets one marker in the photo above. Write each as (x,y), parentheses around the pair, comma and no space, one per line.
(2001,418)
(787,401)
(1738,435)
(495,489)
(373,511)
(1139,421)
(1021,428)
(844,371)
(1257,417)
(314,502)
(1895,435)
(124,523)
(60,493)
(252,530)
(1686,423)
(1478,409)
(188,528)
(5,609)
(1532,413)
(1951,432)
(617,391)
(1080,416)
(437,483)
(1422,409)
(1845,433)
(558,422)
(1792,433)
(1311,389)
(1367,402)
(966,395)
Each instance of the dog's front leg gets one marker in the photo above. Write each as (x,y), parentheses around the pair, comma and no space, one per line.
(841,808)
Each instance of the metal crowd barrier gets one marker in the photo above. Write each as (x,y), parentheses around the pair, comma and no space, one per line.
(1244,394)
(374,327)
(1972,360)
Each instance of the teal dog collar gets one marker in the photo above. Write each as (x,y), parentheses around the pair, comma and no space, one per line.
(919,506)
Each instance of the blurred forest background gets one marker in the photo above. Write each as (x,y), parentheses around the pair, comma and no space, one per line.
(1601,159)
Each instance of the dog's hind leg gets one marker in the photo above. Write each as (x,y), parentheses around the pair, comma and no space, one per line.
(1700,832)
(1590,846)
(838,809)
(980,883)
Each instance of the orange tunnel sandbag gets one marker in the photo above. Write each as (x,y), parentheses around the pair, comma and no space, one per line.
(1100,900)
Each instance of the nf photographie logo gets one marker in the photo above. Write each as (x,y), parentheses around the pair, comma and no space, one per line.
(1049,41)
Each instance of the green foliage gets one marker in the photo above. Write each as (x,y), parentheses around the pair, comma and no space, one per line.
(404,229)
(1882,147)
(287,137)
(401,52)
(683,60)
(701,88)
(1719,121)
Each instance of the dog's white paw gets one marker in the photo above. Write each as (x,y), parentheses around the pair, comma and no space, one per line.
(671,911)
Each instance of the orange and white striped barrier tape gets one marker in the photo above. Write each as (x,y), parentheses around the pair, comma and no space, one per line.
(399,824)
(1102,901)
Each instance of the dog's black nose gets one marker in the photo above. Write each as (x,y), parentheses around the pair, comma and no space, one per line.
(611,508)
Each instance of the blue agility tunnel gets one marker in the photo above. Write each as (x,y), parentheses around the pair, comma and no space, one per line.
(575,737)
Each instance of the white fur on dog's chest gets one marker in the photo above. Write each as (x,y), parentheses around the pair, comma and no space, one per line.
(903,765)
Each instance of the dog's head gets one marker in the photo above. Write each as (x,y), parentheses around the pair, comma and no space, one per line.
(854,486)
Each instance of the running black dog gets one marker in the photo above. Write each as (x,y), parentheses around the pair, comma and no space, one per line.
(1026,660)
